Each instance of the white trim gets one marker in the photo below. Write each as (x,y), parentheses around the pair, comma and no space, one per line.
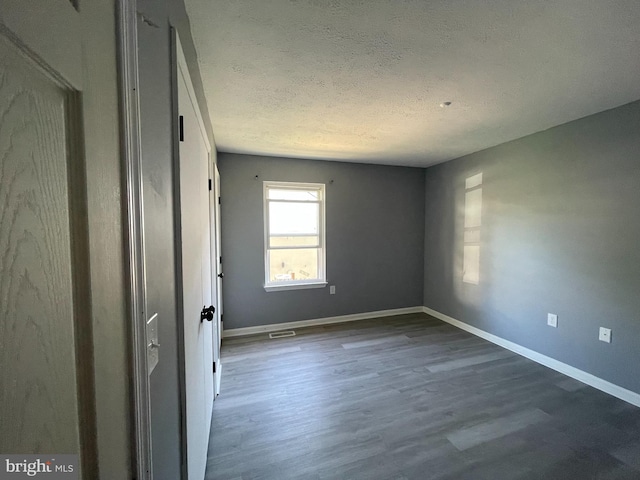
(320,247)
(239,332)
(296,186)
(136,268)
(584,377)
(218,378)
(274,287)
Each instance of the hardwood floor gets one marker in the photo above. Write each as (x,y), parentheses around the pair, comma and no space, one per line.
(409,397)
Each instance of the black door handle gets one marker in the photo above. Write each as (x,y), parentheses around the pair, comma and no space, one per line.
(207,313)
(221,275)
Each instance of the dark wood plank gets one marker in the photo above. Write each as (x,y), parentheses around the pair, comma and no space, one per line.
(409,397)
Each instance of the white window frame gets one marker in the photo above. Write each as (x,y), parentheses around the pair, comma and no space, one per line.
(322,264)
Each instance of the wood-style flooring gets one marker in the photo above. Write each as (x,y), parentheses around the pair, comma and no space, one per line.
(409,397)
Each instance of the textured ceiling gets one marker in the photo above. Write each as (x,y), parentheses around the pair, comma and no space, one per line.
(363,80)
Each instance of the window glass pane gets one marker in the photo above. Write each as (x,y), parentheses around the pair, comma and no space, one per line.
(295,264)
(290,194)
(294,218)
(294,240)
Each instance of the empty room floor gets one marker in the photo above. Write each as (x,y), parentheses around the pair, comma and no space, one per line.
(409,397)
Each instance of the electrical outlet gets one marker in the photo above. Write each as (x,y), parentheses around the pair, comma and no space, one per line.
(605,335)
(332,289)
(552,320)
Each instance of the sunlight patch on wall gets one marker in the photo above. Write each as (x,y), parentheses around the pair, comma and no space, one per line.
(472,225)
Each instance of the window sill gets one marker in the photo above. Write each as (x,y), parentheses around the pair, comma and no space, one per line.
(294,286)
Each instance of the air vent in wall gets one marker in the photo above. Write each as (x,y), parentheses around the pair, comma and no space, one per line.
(286,333)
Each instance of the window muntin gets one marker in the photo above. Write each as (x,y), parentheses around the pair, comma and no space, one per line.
(294,235)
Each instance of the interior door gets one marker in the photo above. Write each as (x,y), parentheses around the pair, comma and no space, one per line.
(217,327)
(46,393)
(195,228)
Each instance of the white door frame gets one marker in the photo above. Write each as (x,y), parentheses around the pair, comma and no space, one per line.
(218,242)
(137,305)
(216,271)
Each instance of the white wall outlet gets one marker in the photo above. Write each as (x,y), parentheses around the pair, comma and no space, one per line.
(605,335)
(552,320)
(332,289)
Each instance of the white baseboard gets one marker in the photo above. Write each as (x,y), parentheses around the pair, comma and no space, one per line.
(237,332)
(596,382)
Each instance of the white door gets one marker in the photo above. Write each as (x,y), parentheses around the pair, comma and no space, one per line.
(46,395)
(195,228)
(217,327)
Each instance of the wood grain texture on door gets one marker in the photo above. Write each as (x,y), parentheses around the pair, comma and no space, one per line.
(38,377)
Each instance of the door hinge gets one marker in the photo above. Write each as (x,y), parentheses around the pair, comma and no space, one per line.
(220,259)
(219,200)
(214,367)
(210,187)
(181,128)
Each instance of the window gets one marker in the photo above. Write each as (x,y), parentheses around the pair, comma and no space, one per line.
(294,235)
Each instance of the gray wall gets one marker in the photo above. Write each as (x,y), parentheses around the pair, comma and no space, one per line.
(374,230)
(157,158)
(560,234)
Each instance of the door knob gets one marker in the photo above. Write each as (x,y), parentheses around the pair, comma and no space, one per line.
(221,275)
(207,313)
